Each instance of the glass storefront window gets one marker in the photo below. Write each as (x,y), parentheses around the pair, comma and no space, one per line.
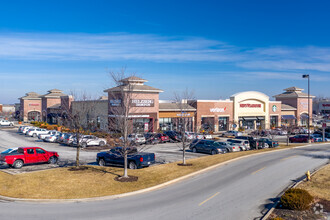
(208,123)
(223,123)
(273,121)
(174,124)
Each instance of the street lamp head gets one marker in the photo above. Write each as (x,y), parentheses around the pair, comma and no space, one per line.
(305,76)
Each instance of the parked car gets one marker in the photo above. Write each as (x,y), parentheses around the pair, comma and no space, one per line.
(49,133)
(266,142)
(135,159)
(28,155)
(88,140)
(190,135)
(203,136)
(69,139)
(230,147)
(175,136)
(163,138)
(232,134)
(6,123)
(136,138)
(300,139)
(318,138)
(243,144)
(252,141)
(207,146)
(25,129)
(279,131)
(34,132)
(62,137)
(52,138)
(151,138)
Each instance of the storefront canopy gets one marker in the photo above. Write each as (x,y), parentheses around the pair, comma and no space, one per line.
(288,117)
(304,116)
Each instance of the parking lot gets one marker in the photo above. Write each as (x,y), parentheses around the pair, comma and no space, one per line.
(10,138)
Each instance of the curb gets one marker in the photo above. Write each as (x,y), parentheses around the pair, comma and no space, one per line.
(146,189)
(293,185)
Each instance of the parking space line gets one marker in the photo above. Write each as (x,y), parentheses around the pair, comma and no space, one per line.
(258,170)
(208,199)
(288,157)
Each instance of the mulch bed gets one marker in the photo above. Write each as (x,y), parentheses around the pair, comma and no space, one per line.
(319,210)
(185,165)
(126,179)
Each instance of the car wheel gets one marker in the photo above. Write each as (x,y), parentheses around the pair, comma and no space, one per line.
(132,165)
(84,145)
(213,152)
(194,150)
(18,164)
(102,143)
(53,160)
(34,135)
(101,162)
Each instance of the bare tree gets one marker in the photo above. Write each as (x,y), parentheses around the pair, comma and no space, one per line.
(120,115)
(77,118)
(181,101)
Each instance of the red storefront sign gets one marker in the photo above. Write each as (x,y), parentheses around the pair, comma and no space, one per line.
(250,105)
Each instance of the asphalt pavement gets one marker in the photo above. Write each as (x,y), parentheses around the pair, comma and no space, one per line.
(237,190)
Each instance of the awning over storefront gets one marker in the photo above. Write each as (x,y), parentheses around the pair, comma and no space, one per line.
(288,117)
(258,118)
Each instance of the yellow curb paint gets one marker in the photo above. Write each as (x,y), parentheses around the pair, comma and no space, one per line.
(208,199)
(258,170)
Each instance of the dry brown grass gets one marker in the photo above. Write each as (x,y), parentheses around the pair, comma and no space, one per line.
(319,186)
(61,183)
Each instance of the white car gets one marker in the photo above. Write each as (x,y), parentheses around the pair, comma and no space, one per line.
(243,144)
(190,135)
(6,123)
(90,140)
(51,138)
(203,136)
(34,132)
(232,134)
(50,133)
(135,138)
(25,129)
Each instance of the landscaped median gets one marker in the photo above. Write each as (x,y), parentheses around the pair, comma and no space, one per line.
(95,181)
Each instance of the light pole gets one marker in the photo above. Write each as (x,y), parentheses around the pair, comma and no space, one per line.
(308,120)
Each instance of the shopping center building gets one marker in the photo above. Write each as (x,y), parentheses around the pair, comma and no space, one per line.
(244,110)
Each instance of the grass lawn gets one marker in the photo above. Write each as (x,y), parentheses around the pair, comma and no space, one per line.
(61,183)
(319,186)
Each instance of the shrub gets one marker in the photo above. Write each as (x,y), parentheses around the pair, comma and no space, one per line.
(277,218)
(296,199)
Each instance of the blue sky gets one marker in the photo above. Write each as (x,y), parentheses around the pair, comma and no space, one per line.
(215,48)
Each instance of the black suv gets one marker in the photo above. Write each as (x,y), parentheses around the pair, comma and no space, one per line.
(207,146)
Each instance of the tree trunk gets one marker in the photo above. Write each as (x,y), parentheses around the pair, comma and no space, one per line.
(125,164)
(184,152)
(77,156)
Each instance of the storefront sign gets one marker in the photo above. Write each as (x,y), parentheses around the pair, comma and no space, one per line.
(33,104)
(142,102)
(326,105)
(217,109)
(274,107)
(250,105)
(130,116)
(115,102)
(183,114)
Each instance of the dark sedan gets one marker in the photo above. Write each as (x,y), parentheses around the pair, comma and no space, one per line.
(207,146)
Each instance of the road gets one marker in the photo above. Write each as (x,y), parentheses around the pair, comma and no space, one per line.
(237,190)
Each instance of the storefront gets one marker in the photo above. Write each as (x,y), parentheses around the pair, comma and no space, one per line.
(172,116)
(139,100)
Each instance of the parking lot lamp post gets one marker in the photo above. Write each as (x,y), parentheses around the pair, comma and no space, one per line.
(308,119)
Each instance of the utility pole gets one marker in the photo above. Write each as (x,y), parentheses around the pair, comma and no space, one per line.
(308,121)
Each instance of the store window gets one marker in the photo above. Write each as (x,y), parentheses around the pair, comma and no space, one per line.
(223,123)
(175,124)
(208,123)
(141,125)
(273,121)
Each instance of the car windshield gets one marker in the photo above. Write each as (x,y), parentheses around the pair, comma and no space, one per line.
(7,151)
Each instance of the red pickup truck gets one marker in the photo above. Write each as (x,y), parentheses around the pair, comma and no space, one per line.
(28,155)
